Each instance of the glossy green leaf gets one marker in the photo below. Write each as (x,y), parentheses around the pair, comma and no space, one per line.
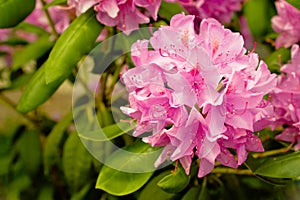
(191,194)
(21,81)
(81,193)
(76,162)
(30,147)
(152,191)
(31,28)
(32,51)
(286,166)
(37,91)
(78,39)
(295,3)
(14,41)
(277,58)
(107,133)
(46,193)
(13,12)
(51,155)
(55,3)
(118,181)
(168,10)
(174,182)
(16,186)
(257,17)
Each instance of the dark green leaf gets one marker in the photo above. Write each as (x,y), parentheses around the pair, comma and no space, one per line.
(20,81)
(31,28)
(30,151)
(46,193)
(76,163)
(295,3)
(119,181)
(37,91)
(257,17)
(286,166)
(81,193)
(32,51)
(107,133)
(277,58)
(78,39)
(16,186)
(13,41)
(191,194)
(152,191)
(52,144)
(55,3)
(13,12)
(174,182)
(168,10)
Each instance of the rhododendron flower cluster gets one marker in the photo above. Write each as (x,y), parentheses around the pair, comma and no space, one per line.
(124,14)
(286,100)
(221,10)
(287,24)
(199,95)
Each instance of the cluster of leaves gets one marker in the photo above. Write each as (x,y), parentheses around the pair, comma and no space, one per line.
(44,159)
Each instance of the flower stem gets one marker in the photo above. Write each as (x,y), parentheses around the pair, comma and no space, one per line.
(51,23)
(223,170)
(273,152)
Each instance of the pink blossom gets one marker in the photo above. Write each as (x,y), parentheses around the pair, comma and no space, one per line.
(286,23)
(286,100)
(124,14)
(198,94)
(82,6)
(221,10)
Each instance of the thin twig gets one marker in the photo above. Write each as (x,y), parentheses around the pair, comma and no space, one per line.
(223,170)
(51,23)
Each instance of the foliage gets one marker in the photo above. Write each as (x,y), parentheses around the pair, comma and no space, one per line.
(50,151)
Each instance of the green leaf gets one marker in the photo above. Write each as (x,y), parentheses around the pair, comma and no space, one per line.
(191,194)
(286,166)
(277,58)
(55,3)
(37,91)
(78,39)
(174,182)
(108,133)
(32,51)
(31,28)
(13,12)
(53,141)
(255,11)
(295,3)
(81,193)
(119,181)
(46,193)
(76,163)
(30,151)
(152,191)
(168,10)
(16,186)
(20,81)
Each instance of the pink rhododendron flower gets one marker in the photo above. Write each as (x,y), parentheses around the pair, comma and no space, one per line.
(58,14)
(221,10)
(121,13)
(199,94)
(286,23)
(286,100)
